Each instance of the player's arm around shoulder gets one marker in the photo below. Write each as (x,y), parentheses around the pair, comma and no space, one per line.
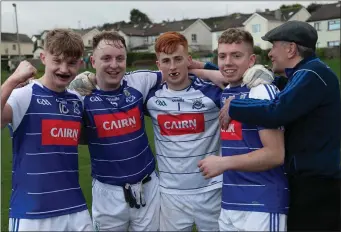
(84,83)
(272,138)
(213,76)
(269,156)
(144,80)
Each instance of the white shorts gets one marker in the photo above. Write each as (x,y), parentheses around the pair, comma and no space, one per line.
(180,212)
(233,220)
(111,212)
(80,221)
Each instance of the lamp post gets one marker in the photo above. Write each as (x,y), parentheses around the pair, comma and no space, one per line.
(16,22)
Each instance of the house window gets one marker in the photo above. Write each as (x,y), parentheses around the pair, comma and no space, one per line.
(333,43)
(89,42)
(317,26)
(334,25)
(194,38)
(256,28)
(146,40)
(14,47)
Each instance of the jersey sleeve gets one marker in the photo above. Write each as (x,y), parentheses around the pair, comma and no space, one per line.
(263,92)
(19,100)
(144,81)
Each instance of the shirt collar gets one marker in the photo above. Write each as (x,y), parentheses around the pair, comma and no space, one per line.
(290,71)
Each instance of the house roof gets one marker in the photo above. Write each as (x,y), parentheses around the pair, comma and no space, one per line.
(326,11)
(83,31)
(221,23)
(43,32)
(146,29)
(284,15)
(37,36)
(12,37)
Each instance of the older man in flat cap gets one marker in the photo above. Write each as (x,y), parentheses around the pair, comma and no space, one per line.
(309,108)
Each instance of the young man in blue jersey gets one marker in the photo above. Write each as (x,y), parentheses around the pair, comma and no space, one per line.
(309,108)
(255,194)
(125,191)
(45,121)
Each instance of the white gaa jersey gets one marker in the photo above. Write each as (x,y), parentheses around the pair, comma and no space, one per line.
(186,130)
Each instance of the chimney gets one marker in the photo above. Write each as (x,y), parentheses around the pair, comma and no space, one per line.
(278,14)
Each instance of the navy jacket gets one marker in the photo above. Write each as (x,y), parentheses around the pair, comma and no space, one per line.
(309,109)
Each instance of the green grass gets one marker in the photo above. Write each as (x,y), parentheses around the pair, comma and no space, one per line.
(335,66)
(84,159)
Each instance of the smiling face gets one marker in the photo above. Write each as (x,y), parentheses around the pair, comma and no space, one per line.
(280,56)
(173,59)
(62,55)
(60,70)
(109,60)
(235,55)
(174,68)
(233,60)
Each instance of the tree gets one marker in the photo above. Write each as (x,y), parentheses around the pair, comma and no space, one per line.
(293,6)
(106,26)
(137,17)
(313,7)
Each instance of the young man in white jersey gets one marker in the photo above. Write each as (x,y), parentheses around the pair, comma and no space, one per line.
(255,194)
(45,121)
(184,111)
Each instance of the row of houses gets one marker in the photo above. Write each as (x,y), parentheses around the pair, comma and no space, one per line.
(202,33)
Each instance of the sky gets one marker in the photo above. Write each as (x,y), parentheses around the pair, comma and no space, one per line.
(36,16)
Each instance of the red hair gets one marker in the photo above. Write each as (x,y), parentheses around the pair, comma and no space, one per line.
(169,41)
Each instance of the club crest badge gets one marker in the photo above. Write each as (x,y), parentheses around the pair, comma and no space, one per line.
(197,104)
(129,97)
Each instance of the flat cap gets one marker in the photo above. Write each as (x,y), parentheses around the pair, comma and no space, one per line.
(299,32)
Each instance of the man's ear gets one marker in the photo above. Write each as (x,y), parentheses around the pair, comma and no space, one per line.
(190,60)
(252,60)
(42,58)
(92,60)
(158,64)
(292,50)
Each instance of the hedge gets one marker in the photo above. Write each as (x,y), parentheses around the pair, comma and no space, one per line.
(138,56)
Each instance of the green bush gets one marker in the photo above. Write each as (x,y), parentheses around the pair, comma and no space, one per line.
(321,52)
(143,63)
(135,56)
(265,56)
(257,50)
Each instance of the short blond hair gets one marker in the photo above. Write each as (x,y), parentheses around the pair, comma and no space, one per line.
(64,42)
(235,35)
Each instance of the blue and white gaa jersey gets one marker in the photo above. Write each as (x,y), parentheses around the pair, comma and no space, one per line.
(117,139)
(186,130)
(45,131)
(265,191)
